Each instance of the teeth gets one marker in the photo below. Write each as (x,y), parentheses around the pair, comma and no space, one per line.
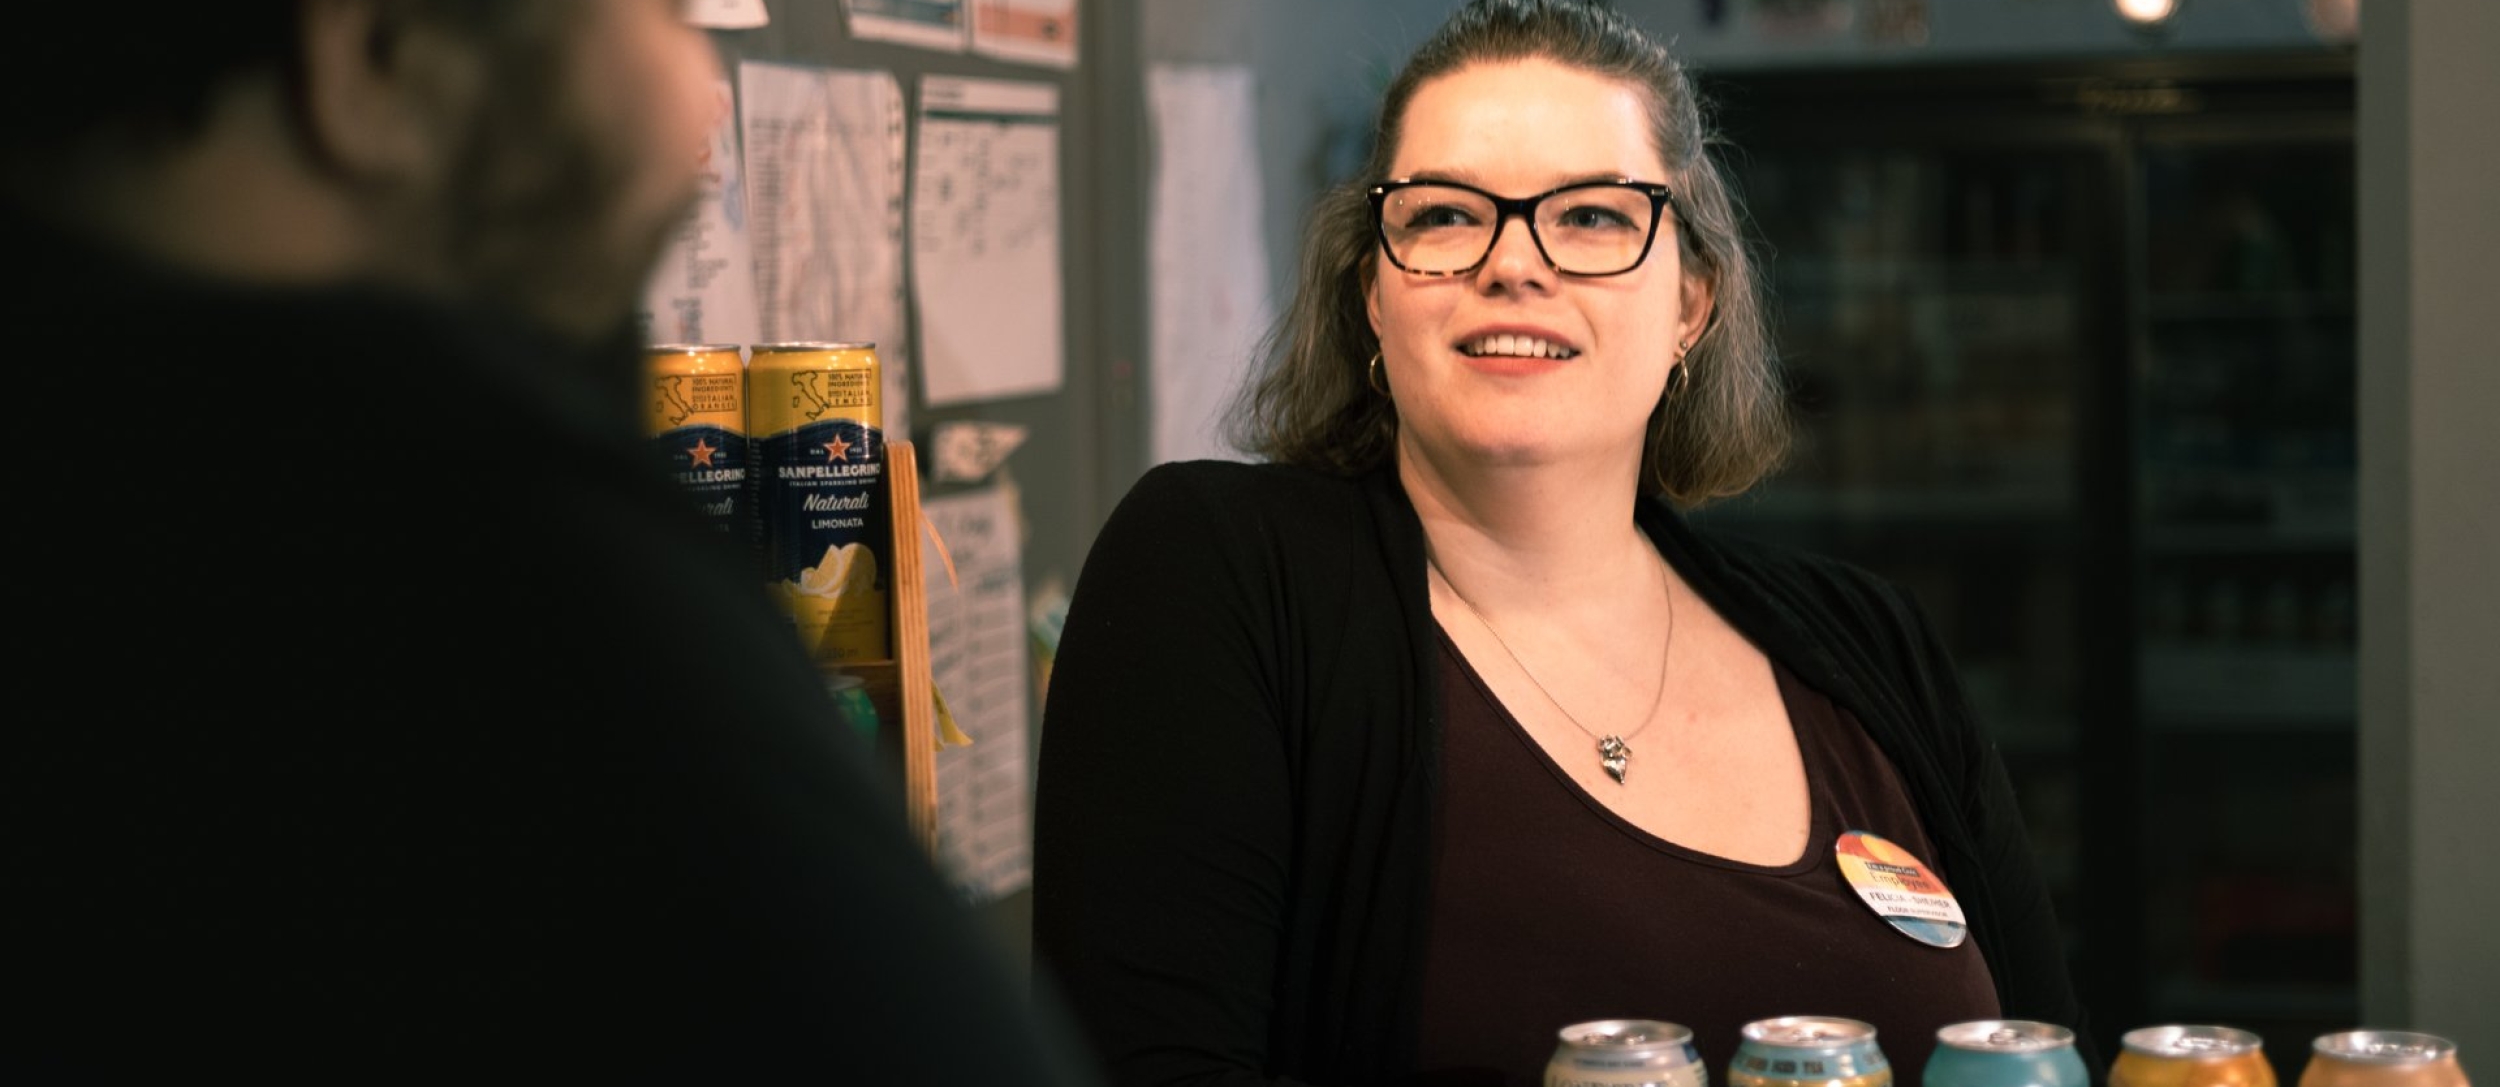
(1522,346)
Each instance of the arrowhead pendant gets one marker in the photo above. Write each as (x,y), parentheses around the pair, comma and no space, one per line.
(1616,755)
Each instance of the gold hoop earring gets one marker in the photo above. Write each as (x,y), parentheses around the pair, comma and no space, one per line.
(1373,376)
(1681,375)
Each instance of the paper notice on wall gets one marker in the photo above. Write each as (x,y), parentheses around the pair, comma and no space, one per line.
(978,649)
(726,14)
(703,288)
(929,24)
(1027,31)
(824,165)
(1208,294)
(967,451)
(985,239)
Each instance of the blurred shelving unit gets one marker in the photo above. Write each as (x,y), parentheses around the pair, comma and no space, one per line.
(903,687)
(2072,346)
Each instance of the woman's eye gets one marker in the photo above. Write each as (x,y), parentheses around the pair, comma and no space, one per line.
(1593,218)
(1442,215)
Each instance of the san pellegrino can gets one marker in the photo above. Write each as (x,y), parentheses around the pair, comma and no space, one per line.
(2382,1058)
(818,434)
(1809,1051)
(2190,1055)
(2004,1053)
(696,416)
(1626,1053)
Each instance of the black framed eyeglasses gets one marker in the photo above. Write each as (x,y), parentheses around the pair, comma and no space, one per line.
(1592,228)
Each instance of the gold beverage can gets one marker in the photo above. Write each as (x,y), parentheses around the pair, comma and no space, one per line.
(1809,1051)
(818,437)
(2174,1055)
(1626,1053)
(696,416)
(2382,1058)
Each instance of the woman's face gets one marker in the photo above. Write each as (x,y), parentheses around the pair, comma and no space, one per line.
(1515,364)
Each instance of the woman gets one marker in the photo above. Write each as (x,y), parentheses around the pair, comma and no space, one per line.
(1385,759)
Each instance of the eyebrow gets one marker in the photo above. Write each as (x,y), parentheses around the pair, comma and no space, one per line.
(1465,177)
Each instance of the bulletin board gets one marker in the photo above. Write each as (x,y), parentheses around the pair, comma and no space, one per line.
(1023,412)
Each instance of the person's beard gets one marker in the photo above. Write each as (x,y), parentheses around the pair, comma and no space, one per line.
(535,209)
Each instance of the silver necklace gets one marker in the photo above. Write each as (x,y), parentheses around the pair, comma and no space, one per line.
(1613,752)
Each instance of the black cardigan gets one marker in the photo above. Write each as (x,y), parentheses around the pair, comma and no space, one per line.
(1239,754)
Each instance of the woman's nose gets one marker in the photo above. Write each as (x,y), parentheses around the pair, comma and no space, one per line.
(1514,259)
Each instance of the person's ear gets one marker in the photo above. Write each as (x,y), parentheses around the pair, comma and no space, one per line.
(383,90)
(1694,319)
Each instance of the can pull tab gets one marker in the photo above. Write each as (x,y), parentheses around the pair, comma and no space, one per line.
(2004,1037)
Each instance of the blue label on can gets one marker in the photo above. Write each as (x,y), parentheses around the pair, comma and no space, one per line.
(709,464)
(827,533)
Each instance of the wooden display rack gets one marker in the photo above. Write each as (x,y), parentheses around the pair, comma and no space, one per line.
(903,688)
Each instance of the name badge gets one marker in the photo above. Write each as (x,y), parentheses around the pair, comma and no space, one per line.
(1900,889)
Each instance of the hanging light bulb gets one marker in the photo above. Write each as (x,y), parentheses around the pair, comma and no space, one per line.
(2146,12)
(2335,21)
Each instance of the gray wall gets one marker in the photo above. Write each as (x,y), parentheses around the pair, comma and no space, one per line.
(2430,525)
(1879,31)
(1319,66)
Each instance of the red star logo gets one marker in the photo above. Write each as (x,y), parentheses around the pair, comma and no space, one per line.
(702,453)
(837,449)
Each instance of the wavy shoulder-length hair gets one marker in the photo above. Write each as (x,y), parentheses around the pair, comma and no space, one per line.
(1308,402)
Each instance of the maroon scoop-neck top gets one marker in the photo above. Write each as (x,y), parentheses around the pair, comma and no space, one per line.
(1548,909)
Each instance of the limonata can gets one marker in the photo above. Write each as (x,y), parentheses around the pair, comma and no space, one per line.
(817,432)
(696,415)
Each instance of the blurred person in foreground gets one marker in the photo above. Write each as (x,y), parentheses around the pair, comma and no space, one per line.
(388,709)
(1382,760)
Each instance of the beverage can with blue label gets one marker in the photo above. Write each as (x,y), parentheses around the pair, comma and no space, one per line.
(818,435)
(696,416)
(2005,1053)
(1809,1051)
